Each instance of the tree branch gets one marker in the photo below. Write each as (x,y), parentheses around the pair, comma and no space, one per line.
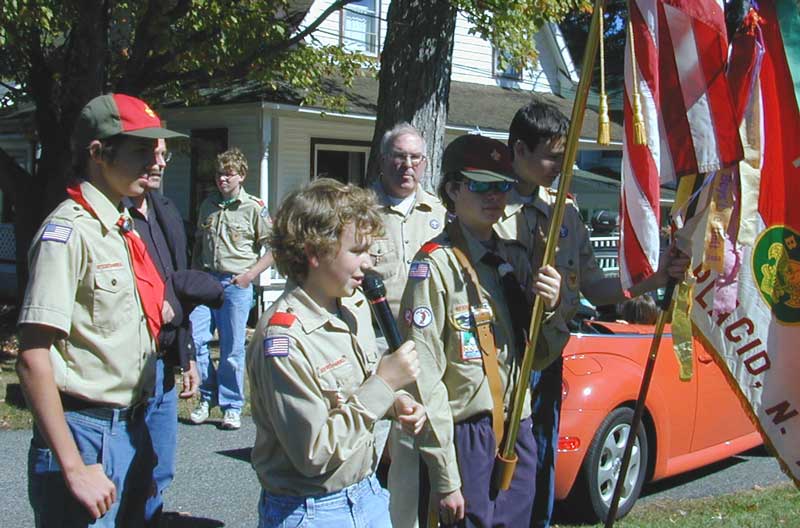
(311,27)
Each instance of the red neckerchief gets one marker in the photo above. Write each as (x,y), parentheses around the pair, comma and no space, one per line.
(148,280)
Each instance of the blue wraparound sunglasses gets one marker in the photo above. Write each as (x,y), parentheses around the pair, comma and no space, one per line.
(485,187)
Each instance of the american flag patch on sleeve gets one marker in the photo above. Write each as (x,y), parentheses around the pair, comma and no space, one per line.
(56,233)
(276,346)
(419,270)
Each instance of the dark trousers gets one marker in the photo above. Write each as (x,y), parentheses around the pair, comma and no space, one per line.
(546,388)
(475,451)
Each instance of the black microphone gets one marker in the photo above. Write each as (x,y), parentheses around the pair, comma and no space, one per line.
(375,292)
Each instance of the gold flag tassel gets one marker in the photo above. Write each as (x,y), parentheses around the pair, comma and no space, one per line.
(604,124)
(639,133)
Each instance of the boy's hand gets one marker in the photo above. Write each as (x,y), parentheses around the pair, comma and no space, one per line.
(190,380)
(410,414)
(243,280)
(451,507)
(674,264)
(399,368)
(547,285)
(92,488)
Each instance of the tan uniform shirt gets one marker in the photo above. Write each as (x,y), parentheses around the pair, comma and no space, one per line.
(314,401)
(82,284)
(404,235)
(528,223)
(229,237)
(452,384)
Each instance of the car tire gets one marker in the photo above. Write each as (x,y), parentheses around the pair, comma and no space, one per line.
(594,489)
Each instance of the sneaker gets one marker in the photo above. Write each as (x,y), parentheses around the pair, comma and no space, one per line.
(200,413)
(232,419)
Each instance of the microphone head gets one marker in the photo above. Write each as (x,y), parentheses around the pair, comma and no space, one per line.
(373,287)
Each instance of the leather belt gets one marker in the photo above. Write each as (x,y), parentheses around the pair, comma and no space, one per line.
(99,410)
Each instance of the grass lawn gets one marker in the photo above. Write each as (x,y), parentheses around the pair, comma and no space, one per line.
(772,507)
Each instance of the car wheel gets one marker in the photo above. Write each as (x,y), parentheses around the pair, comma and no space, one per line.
(602,465)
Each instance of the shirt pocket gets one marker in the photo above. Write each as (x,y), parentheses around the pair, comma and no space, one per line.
(384,257)
(338,380)
(567,265)
(239,234)
(110,301)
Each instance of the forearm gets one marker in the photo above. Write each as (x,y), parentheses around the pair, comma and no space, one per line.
(36,378)
(261,265)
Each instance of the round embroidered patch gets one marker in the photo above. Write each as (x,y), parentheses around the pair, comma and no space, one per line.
(422,317)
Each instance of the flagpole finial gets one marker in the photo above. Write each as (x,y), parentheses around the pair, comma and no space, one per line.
(604,123)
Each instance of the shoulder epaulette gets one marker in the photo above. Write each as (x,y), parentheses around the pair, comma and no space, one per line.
(430,247)
(285,319)
(259,201)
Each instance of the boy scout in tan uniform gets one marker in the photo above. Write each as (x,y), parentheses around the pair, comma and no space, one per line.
(88,329)
(232,228)
(466,389)
(318,384)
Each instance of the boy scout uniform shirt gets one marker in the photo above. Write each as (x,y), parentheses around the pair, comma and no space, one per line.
(230,236)
(452,384)
(404,235)
(82,284)
(314,400)
(528,223)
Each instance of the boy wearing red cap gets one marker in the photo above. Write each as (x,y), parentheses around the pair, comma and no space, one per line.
(89,324)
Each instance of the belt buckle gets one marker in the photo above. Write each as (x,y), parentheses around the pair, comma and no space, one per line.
(482,314)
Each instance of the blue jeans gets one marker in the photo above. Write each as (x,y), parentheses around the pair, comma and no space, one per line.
(546,387)
(362,505)
(127,461)
(223,385)
(161,417)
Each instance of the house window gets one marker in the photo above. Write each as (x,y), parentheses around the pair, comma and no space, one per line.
(508,71)
(205,145)
(342,160)
(359,26)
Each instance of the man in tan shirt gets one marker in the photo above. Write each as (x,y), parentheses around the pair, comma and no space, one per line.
(464,387)
(88,329)
(318,384)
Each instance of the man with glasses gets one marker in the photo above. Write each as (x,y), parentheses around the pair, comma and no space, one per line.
(466,309)
(232,229)
(160,226)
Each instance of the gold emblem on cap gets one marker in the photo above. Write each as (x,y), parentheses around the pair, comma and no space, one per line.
(495,155)
(149,111)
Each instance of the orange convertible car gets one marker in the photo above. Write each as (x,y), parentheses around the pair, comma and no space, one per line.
(686,424)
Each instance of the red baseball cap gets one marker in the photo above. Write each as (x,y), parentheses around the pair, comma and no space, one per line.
(110,115)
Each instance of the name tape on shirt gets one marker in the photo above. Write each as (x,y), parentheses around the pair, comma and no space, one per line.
(56,233)
(419,270)
(276,346)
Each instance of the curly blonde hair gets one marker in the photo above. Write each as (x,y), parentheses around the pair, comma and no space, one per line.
(314,217)
(232,160)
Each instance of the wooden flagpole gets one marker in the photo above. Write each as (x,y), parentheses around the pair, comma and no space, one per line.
(507,458)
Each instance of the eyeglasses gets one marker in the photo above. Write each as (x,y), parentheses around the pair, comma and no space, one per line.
(485,187)
(413,159)
(228,175)
(165,156)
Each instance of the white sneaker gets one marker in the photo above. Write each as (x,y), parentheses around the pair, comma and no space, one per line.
(232,419)
(200,413)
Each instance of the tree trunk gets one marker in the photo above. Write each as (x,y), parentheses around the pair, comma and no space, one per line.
(415,77)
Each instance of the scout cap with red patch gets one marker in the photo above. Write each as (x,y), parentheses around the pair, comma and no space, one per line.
(114,114)
(478,158)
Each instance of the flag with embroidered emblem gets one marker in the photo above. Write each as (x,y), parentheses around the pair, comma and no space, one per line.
(419,270)
(755,341)
(675,62)
(276,346)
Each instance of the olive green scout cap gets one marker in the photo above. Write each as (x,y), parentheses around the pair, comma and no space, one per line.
(478,158)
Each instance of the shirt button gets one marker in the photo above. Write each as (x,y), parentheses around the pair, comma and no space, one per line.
(113,282)
(408,261)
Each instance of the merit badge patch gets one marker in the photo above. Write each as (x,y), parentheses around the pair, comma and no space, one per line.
(461,318)
(469,346)
(56,233)
(435,224)
(422,316)
(276,346)
(419,270)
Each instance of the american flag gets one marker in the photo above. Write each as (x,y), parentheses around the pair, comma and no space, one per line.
(56,233)
(681,50)
(276,346)
(418,270)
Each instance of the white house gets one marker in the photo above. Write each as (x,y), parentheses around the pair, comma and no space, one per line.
(287,144)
